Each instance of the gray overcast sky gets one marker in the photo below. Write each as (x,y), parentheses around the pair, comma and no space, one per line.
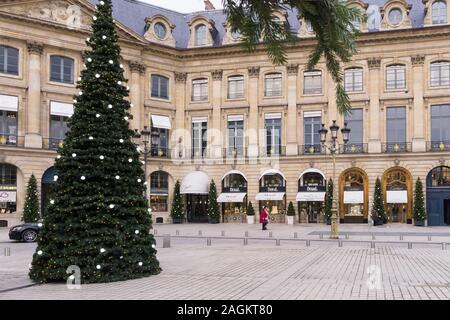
(184,6)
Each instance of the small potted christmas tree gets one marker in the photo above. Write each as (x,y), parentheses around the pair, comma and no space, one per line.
(250,214)
(290,213)
(213,206)
(419,207)
(378,213)
(329,202)
(31,208)
(177,206)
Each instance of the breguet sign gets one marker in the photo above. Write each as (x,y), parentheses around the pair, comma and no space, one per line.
(311,189)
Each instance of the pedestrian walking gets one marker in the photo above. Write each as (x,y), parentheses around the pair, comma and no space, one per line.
(264,217)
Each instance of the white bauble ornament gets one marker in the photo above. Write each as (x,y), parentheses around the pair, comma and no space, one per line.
(102,250)
(55,178)
(153,246)
(121,140)
(89,59)
(139,180)
(102,157)
(119,82)
(39,252)
(97,115)
(52,201)
(104,37)
(111,62)
(111,206)
(58,156)
(131,105)
(109,106)
(74,155)
(130,160)
(117,177)
(137,231)
(94,18)
(126,118)
(83,178)
(140,264)
(98,267)
(97,76)
(91,138)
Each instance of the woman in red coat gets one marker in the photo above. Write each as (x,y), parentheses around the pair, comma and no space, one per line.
(264,218)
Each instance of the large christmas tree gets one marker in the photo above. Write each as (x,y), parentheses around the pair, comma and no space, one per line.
(419,203)
(378,203)
(31,207)
(213,206)
(98,218)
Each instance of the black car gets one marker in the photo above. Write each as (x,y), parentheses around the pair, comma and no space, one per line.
(26,232)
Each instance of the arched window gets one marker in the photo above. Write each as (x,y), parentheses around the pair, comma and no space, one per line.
(9,60)
(439,12)
(159,191)
(439,177)
(395,16)
(395,77)
(61,69)
(200,35)
(353,79)
(234,181)
(160,86)
(273,85)
(353,196)
(8,188)
(160,30)
(397,186)
(440,74)
(273,181)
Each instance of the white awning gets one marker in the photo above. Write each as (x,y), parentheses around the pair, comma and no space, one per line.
(272,115)
(400,196)
(8,196)
(196,182)
(312,114)
(310,196)
(9,103)
(234,172)
(270,196)
(236,117)
(199,119)
(231,197)
(353,196)
(162,122)
(272,172)
(61,109)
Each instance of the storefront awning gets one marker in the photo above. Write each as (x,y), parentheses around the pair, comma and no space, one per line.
(353,196)
(231,197)
(162,122)
(400,196)
(270,196)
(310,196)
(9,103)
(61,109)
(196,182)
(8,196)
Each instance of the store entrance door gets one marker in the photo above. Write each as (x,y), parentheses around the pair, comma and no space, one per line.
(197,208)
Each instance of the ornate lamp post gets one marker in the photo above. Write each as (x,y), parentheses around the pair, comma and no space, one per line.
(143,138)
(333,148)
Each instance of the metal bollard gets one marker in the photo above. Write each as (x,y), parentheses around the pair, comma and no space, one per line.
(409,245)
(246,233)
(401,237)
(223,233)
(7,252)
(270,234)
(372,245)
(444,246)
(340,243)
(308,243)
(347,236)
(177,232)
(245,241)
(295,235)
(278,242)
(200,232)
(166,241)
(208,242)
(429,238)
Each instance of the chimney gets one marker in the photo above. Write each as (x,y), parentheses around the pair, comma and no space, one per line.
(209,6)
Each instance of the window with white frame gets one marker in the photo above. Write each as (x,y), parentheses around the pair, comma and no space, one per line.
(61,69)
(440,74)
(439,12)
(199,136)
(9,60)
(353,79)
(200,35)
(395,77)
(235,130)
(272,125)
(235,87)
(160,86)
(312,82)
(200,90)
(273,85)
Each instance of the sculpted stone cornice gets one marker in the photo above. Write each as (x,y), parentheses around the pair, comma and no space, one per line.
(374,63)
(217,75)
(35,47)
(292,69)
(418,59)
(253,71)
(180,77)
(136,66)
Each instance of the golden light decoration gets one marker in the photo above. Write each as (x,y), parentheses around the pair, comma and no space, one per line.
(353,148)
(396,147)
(311,149)
(442,146)
(2,140)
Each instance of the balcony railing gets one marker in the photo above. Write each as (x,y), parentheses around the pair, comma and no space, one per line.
(438,146)
(230,153)
(52,143)
(311,149)
(274,151)
(353,148)
(10,140)
(160,152)
(396,147)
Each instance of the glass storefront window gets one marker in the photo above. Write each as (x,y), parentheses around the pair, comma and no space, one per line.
(440,177)
(272,181)
(159,190)
(58,130)
(8,188)
(158,203)
(8,127)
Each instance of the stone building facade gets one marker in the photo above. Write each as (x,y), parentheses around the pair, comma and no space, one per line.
(215,111)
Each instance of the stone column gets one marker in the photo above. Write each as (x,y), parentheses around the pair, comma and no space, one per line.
(418,139)
(33,135)
(215,135)
(180,134)
(252,132)
(137,70)
(374,105)
(291,122)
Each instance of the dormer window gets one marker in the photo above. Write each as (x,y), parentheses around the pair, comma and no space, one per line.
(395,16)
(200,35)
(160,30)
(439,12)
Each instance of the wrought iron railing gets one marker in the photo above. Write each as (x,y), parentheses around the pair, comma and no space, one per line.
(272,151)
(160,152)
(311,149)
(11,140)
(353,148)
(396,147)
(438,146)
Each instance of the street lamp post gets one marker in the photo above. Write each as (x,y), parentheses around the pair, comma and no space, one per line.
(333,148)
(143,138)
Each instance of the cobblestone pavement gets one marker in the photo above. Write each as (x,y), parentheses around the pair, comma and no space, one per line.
(261,270)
